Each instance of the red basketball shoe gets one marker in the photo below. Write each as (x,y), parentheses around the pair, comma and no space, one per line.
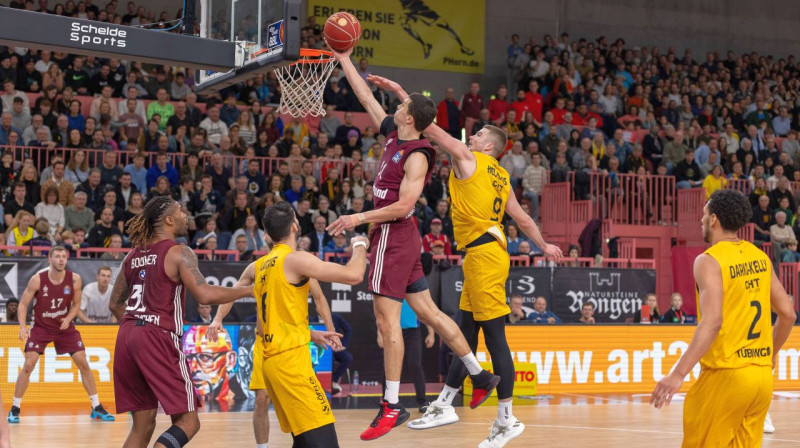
(389,416)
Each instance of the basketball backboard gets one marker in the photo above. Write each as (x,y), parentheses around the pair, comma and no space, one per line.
(266,34)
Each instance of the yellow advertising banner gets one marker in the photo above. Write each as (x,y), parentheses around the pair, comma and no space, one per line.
(616,359)
(524,379)
(56,380)
(548,360)
(444,35)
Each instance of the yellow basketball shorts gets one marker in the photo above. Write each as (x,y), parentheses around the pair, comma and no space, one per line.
(726,408)
(485,273)
(296,394)
(257,376)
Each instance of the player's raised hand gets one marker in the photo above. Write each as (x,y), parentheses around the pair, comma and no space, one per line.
(344,222)
(665,389)
(212,332)
(553,252)
(345,55)
(384,83)
(328,338)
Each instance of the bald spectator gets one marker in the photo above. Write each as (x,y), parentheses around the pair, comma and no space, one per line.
(541,315)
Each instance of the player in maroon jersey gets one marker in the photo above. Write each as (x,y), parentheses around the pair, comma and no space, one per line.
(58,300)
(147,300)
(395,267)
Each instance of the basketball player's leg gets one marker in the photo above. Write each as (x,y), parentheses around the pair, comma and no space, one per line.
(261,418)
(184,427)
(751,429)
(322,437)
(24,376)
(258,385)
(70,342)
(144,424)
(387,317)
(441,411)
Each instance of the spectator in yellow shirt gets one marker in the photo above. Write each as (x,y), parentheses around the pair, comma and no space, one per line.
(714,181)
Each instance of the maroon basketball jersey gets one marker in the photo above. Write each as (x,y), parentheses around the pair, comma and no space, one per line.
(391,170)
(154,297)
(52,302)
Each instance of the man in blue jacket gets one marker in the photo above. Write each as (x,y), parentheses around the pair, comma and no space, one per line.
(541,315)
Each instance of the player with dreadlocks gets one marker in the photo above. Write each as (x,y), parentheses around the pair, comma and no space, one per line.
(148,300)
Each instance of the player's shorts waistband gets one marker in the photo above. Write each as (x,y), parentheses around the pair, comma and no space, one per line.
(481,240)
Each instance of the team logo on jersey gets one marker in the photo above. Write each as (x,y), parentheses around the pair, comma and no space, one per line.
(30,344)
(67,290)
(80,343)
(44,291)
(141,275)
(389,142)
(397,156)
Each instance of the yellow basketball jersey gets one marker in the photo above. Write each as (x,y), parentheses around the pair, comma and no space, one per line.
(745,338)
(479,202)
(282,306)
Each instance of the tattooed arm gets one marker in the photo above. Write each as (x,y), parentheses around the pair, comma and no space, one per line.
(119,294)
(191,277)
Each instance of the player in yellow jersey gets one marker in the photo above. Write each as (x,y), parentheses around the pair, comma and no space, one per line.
(282,282)
(257,383)
(481,194)
(736,291)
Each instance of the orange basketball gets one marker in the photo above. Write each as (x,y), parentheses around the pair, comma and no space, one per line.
(342,31)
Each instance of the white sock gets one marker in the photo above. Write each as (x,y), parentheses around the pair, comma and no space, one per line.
(17,402)
(504,415)
(447,396)
(471,363)
(262,445)
(95,401)
(392,394)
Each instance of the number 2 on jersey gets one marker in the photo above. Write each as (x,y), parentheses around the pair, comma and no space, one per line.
(136,295)
(750,334)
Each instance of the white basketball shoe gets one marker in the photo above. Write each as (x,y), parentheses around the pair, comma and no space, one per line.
(435,415)
(769,428)
(500,435)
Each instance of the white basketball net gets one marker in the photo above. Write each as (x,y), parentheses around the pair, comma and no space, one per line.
(302,84)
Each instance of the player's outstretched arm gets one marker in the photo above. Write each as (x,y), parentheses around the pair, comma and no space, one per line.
(783,307)
(360,87)
(388,85)
(22,308)
(416,168)
(708,276)
(529,227)
(321,304)
(463,158)
(300,265)
(246,279)
(331,337)
(195,283)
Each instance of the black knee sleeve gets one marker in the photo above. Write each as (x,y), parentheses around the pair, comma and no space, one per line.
(494,331)
(174,437)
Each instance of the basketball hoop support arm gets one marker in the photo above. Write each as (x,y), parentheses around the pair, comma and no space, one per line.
(20,28)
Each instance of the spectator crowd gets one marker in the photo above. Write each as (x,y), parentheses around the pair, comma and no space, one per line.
(87,141)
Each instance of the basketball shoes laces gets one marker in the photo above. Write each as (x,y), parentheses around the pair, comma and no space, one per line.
(500,435)
(389,416)
(436,415)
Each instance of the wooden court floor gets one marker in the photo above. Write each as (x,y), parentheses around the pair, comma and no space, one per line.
(568,421)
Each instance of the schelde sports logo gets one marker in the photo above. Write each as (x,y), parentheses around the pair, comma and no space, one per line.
(86,34)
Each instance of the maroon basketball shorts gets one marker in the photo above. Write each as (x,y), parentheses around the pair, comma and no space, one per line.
(150,368)
(67,341)
(395,268)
